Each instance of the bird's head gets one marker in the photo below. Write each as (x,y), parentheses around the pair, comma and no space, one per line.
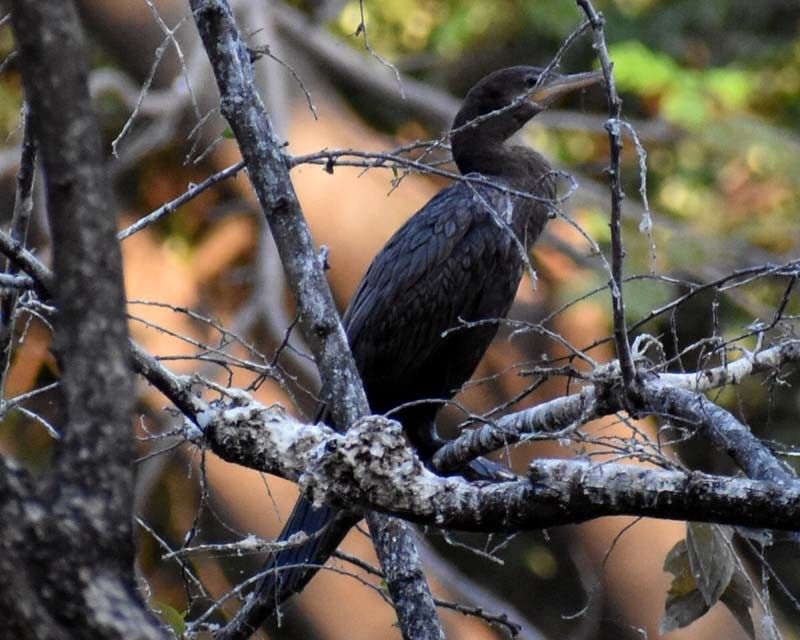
(512,96)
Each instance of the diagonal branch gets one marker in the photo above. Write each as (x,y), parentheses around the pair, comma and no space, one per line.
(268,170)
(721,427)
(548,417)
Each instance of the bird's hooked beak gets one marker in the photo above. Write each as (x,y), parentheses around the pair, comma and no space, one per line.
(555,86)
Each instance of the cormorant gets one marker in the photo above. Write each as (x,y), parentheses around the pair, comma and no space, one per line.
(458,260)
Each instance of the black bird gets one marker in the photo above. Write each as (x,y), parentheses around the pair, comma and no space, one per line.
(458,259)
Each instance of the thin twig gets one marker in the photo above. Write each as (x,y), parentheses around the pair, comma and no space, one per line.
(613,126)
(361,29)
(192,192)
(20,221)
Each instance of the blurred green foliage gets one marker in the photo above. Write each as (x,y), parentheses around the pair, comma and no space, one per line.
(687,97)
(448,28)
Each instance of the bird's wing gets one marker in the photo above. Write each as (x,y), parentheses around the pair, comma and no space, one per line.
(430,275)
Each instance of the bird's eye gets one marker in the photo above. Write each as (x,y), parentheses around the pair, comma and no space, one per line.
(530,81)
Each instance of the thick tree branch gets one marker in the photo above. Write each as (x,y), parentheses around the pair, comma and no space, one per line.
(83,541)
(16,584)
(720,426)
(372,467)
(268,169)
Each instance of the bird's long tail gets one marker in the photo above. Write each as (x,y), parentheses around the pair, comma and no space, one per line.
(290,569)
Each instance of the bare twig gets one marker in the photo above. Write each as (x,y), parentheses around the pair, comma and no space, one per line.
(159,54)
(613,126)
(20,220)
(264,50)
(192,192)
(361,29)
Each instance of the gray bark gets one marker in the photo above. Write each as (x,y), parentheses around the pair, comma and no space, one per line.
(372,467)
(68,563)
(342,390)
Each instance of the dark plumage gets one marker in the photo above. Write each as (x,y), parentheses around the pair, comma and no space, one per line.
(459,258)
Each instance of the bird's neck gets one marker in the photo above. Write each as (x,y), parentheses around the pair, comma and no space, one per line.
(519,166)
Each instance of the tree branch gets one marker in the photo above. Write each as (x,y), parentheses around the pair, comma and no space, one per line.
(20,219)
(614,128)
(43,283)
(549,417)
(83,551)
(268,169)
(734,372)
(666,394)
(726,432)
(372,467)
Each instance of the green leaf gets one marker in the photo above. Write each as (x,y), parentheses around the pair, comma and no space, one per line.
(738,597)
(686,106)
(732,87)
(685,603)
(172,618)
(705,571)
(711,558)
(228,134)
(638,69)
(688,97)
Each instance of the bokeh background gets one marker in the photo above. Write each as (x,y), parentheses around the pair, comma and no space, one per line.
(713,92)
